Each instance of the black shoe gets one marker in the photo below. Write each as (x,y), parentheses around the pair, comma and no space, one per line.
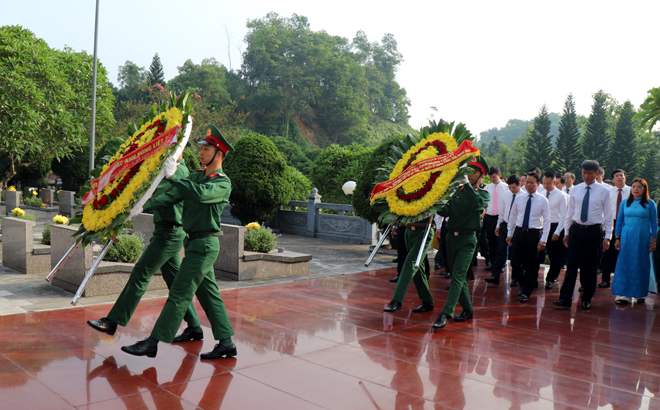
(447,274)
(104,325)
(441,321)
(220,351)
(604,284)
(514,283)
(489,268)
(141,349)
(586,305)
(395,279)
(424,307)
(562,303)
(437,266)
(523,298)
(519,292)
(189,335)
(463,316)
(581,289)
(548,284)
(394,306)
(493,281)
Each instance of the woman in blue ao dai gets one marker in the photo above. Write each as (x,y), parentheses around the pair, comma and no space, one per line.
(636,234)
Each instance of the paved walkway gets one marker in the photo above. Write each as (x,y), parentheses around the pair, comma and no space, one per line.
(324,343)
(22,293)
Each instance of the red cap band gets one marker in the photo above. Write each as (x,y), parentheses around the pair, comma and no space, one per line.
(217,143)
(478,165)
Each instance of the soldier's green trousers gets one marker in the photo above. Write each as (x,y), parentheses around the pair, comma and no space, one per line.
(196,277)
(161,253)
(460,250)
(408,272)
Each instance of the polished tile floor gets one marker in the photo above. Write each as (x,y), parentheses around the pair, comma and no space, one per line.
(326,344)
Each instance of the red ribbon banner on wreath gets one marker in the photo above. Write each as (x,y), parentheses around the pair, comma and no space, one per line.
(126,162)
(465,150)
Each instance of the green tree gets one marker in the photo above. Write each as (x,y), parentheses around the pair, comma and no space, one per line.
(622,149)
(567,153)
(596,139)
(132,82)
(538,148)
(258,173)
(44,106)
(73,169)
(301,185)
(156,73)
(294,154)
(207,79)
(649,112)
(336,165)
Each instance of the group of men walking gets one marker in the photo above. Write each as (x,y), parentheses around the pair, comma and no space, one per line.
(522,219)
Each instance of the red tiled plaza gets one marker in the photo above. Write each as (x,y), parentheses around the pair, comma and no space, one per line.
(326,344)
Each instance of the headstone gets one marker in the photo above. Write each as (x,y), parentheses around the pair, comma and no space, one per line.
(73,271)
(47,196)
(12,200)
(67,203)
(19,251)
(144,223)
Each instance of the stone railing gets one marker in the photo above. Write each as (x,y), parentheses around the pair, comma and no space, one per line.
(315,224)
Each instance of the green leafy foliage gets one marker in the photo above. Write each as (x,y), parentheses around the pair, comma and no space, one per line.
(622,150)
(128,248)
(258,173)
(73,169)
(32,201)
(336,165)
(192,161)
(649,112)
(45,238)
(301,185)
(596,138)
(156,73)
(133,82)
(260,239)
(365,182)
(294,154)
(45,93)
(207,79)
(33,175)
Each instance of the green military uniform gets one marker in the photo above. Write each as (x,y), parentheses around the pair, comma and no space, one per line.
(204,197)
(414,236)
(161,253)
(464,211)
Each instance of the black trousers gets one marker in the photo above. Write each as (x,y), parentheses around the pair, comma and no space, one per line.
(483,246)
(502,250)
(490,224)
(584,249)
(443,245)
(557,253)
(526,254)
(610,257)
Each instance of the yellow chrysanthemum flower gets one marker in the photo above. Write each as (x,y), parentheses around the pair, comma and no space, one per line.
(18,211)
(253,225)
(61,219)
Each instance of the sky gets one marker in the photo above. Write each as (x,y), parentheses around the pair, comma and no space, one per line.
(478,62)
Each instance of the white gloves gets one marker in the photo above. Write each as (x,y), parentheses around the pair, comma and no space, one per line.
(135,211)
(170,166)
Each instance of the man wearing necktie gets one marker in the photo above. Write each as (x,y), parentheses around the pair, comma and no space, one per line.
(570,178)
(558,202)
(529,234)
(496,189)
(504,216)
(589,213)
(618,194)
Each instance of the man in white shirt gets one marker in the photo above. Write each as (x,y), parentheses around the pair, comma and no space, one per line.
(529,234)
(589,211)
(523,182)
(600,175)
(618,194)
(504,215)
(570,179)
(537,170)
(496,189)
(556,250)
(559,183)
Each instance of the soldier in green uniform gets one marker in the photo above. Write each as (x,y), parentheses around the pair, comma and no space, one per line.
(464,211)
(204,194)
(414,235)
(163,252)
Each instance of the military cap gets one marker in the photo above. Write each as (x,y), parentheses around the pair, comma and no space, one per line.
(215,138)
(479,163)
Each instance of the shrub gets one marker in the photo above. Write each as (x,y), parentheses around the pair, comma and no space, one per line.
(19,213)
(334,166)
(191,160)
(128,248)
(258,174)
(259,238)
(365,182)
(32,201)
(45,239)
(301,185)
